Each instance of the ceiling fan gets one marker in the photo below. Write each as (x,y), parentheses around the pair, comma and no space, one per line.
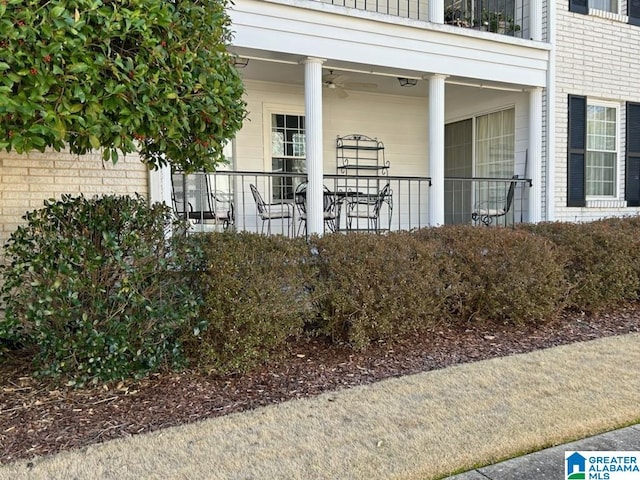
(339,84)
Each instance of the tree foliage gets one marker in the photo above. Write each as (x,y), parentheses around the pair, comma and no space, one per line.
(147,75)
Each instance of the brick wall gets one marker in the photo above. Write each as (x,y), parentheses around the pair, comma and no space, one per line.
(597,55)
(27,180)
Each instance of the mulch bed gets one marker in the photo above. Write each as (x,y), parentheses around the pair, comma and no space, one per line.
(38,418)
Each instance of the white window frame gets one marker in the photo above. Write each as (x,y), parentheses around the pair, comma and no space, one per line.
(616,167)
(616,4)
(268,111)
(474,146)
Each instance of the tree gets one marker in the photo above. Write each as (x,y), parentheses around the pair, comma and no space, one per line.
(148,75)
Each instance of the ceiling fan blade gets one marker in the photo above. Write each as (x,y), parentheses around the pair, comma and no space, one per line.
(335,92)
(341,93)
(333,78)
(340,78)
(361,85)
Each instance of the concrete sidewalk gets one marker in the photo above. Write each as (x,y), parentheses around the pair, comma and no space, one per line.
(549,464)
(423,426)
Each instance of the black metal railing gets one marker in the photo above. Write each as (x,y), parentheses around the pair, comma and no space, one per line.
(486,201)
(415,9)
(505,17)
(245,201)
(225,200)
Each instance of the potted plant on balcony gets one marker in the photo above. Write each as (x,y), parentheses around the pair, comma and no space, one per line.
(497,22)
(455,16)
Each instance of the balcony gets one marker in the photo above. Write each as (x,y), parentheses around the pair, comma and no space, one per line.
(505,17)
(224,201)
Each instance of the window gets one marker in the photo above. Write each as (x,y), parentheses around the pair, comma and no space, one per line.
(495,154)
(613,6)
(601,151)
(483,146)
(592,152)
(287,153)
(495,144)
(606,5)
(458,155)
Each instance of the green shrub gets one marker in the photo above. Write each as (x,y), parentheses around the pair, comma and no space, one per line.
(373,287)
(501,274)
(602,261)
(96,289)
(256,299)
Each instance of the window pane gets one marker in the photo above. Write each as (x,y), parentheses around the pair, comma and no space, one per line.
(495,154)
(277,143)
(292,122)
(458,162)
(601,173)
(495,142)
(606,5)
(299,145)
(288,154)
(601,150)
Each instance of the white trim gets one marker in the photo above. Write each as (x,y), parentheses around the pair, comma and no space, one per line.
(551,118)
(300,30)
(535,155)
(616,17)
(160,186)
(474,118)
(606,203)
(618,165)
(269,109)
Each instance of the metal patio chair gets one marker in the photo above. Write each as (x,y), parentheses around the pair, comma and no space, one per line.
(204,207)
(271,211)
(488,211)
(369,207)
(329,208)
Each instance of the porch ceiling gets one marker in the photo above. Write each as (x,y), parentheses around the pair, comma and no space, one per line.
(282,68)
(350,41)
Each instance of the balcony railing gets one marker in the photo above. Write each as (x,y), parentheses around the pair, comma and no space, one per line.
(415,9)
(486,201)
(224,201)
(505,17)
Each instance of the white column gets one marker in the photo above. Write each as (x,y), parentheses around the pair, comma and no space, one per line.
(436,149)
(160,187)
(535,20)
(313,134)
(535,154)
(436,11)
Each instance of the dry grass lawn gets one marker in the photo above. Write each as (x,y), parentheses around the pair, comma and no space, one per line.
(423,426)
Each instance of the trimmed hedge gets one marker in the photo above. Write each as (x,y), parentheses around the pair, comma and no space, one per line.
(499,274)
(255,299)
(99,292)
(374,287)
(601,260)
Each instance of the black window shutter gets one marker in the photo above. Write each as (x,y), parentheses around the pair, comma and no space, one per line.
(576,176)
(632,183)
(633,7)
(580,6)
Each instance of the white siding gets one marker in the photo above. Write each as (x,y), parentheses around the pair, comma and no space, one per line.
(399,122)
